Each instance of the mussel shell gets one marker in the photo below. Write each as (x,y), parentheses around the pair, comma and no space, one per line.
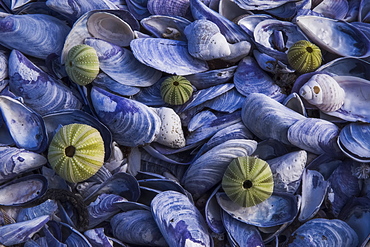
(267,118)
(103,208)
(278,209)
(315,135)
(356,214)
(324,232)
(287,170)
(335,36)
(353,140)
(347,66)
(164,26)
(40,91)
(48,207)
(3,65)
(45,34)
(213,213)
(120,64)
(137,227)
(314,188)
(258,5)
(21,232)
(179,220)
(109,27)
(207,170)
(168,7)
(97,237)
(25,126)
(240,233)
(211,77)
(163,54)
(131,122)
(16,161)
(121,183)
(24,190)
(250,78)
(264,36)
(343,187)
(75,9)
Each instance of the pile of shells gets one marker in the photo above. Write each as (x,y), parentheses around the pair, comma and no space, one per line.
(184,123)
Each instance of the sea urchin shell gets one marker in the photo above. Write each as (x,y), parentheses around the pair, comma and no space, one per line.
(248,181)
(76,152)
(176,90)
(304,56)
(82,64)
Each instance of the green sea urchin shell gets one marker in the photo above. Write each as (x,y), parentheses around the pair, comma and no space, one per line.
(176,90)
(304,56)
(82,64)
(248,181)
(76,152)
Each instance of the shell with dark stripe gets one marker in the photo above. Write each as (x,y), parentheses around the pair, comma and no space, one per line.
(176,90)
(82,64)
(76,152)
(248,181)
(304,56)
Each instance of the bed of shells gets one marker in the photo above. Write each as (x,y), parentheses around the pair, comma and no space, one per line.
(185,123)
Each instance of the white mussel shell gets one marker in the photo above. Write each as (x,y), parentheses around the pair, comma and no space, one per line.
(353,140)
(314,188)
(335,36)
(205,40)
(231,10)
(170,133)
(324,92)
(287,170)
(315,135)
(110,28)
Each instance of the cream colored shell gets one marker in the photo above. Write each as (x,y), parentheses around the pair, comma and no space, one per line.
(171,133)
(205,40)
(324,92)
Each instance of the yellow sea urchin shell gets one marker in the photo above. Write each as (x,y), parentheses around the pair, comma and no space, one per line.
(82,64)
(248,181)
(176,90)
(76,152)
(304,56)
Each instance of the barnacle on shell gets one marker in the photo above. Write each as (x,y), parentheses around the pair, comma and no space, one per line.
(76,152)
(304,56)
(176,90)
(248,181)
(82,64)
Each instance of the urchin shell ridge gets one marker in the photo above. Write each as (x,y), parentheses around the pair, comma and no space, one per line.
(82,64)
(76,152)
(304,56)
(251,170)
(176,90)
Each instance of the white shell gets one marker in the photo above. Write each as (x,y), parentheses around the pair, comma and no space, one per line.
(170,133)
(205,40)
(324,92)
(110,28)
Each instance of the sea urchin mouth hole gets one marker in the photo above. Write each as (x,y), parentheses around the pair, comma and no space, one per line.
(70,151)
(309,49)
(176,83)
(247,184)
